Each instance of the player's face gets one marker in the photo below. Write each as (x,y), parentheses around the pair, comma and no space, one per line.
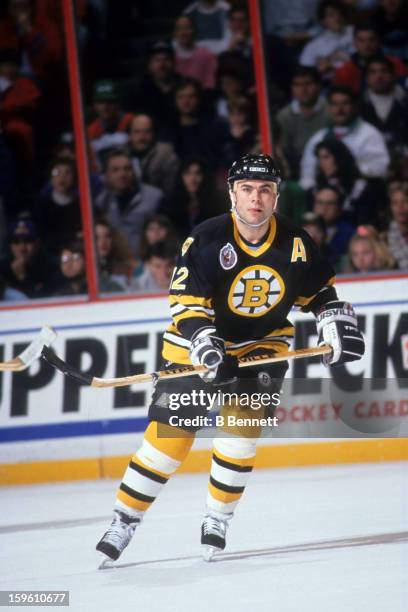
(255,201)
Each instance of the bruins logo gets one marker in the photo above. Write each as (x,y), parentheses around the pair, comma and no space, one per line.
(255,290)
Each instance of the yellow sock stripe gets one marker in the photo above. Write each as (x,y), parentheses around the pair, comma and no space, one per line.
(176,447)
(223,496)
(131,502)
(248,461)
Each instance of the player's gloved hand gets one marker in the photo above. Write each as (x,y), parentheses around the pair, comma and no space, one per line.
(337,326)
(209,350)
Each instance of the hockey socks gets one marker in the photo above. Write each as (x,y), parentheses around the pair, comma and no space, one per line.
(151,466)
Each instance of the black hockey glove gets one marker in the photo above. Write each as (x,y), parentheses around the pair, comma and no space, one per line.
(337,326)
(209,350)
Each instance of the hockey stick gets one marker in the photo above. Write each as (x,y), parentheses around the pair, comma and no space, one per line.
(31,353)
(50,357)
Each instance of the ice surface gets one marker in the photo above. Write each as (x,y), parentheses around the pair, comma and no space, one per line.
(330,539)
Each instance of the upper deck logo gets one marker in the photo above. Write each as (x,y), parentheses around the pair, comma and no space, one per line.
(228,257)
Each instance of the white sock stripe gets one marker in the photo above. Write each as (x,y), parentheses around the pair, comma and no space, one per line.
(142,484)
(237,448)
(232,478)
(152,457)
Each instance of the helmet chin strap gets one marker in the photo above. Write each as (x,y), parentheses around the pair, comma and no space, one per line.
(238,216)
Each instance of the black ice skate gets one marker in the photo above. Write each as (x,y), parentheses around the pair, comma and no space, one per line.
(213,532)
(118,536)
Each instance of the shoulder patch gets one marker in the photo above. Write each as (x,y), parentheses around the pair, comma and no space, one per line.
(186,245)
(228,256)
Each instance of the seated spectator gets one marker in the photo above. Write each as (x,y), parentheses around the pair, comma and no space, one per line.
(365,142)
(238,36)
(73,271)
(333,46)
(19,96)
(154,162)
(59,213)
(315,226)
(125,201)
(328,205)
(368,253)
(192,130)
(153,94)
(391,21)
(362,199)
(210,21)
(28,268)
(191,60)
(303,117)
(157,228)
(115,260)
(110,129)
(8,294)
(397,235)
(65,149)
(158,269)
(385,104)
(195,197)
(72,265)
(230,85)
(367,44)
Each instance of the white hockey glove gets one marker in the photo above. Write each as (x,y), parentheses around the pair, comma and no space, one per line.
(209,350)
(337,326)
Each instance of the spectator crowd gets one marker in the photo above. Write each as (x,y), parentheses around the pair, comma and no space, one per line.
(170,103)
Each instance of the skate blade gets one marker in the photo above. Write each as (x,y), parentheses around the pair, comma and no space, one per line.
(106,563)
(209,552)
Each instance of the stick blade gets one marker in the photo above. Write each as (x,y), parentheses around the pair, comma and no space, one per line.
(33,351)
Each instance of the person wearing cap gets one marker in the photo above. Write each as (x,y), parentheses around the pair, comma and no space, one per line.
(110,128)
(236,279)
(28,268)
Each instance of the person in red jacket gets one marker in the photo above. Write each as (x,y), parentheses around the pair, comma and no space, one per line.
(19,97)
(34,36)
(367,44)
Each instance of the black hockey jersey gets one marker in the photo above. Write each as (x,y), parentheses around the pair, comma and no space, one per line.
(246,292)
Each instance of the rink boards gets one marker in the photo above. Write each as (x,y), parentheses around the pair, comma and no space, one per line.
(53,429)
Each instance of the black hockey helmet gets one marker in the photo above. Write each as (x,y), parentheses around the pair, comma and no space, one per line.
(254,167)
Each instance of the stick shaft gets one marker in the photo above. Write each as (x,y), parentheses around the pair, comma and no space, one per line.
(191,371)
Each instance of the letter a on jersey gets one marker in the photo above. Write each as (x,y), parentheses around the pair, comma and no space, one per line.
(298,250)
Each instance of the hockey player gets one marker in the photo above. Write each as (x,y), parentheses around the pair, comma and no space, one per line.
(237,277)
